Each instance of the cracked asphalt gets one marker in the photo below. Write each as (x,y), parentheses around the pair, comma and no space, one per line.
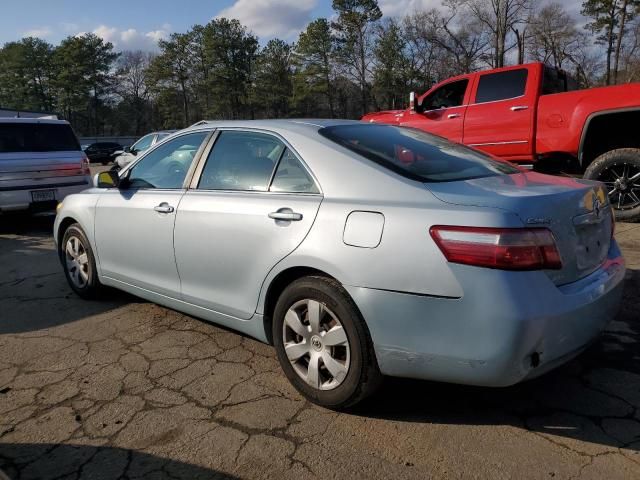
(121,388)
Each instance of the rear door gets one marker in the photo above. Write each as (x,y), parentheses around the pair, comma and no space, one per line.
(444,110)
(500,117)
(252,204)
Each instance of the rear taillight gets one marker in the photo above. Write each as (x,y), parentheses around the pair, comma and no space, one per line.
(502,248)
(84,164)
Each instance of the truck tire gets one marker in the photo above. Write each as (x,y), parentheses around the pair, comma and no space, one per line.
(619,170)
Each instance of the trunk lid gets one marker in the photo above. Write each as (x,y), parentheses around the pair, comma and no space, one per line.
(32,165)
(576,211)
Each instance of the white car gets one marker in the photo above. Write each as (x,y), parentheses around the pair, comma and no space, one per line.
(129,154)
(41,162)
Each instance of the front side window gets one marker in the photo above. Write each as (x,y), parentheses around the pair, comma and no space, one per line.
(447,96)
(143,144)
(166,166)
(502,86)
(291,176)
(241,161)
(416,154)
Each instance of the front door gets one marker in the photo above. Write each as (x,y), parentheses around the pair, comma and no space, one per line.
(134,224)
(253,204)
(443,111)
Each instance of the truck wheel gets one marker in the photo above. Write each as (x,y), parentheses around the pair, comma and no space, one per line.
(619,170)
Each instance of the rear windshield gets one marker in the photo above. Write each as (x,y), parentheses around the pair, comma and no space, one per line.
(416,154)
(37,137)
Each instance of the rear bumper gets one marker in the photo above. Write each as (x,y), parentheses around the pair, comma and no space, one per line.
(18,198)
(494,334)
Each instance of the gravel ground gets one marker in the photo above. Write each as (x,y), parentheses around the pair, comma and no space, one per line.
(122,388)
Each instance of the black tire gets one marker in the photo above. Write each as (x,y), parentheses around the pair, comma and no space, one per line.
(363,376)
(92,286)
(606,168)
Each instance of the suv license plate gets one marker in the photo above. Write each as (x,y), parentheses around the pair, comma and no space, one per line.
(43,195)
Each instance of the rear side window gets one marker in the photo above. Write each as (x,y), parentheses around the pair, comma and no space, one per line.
(291,176)
(241,161)
(415,154)
(501,86)
(37,137)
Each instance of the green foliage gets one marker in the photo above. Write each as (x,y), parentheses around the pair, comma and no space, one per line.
(273,79)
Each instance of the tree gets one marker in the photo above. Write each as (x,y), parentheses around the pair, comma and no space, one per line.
(392,71)
(231,53)
(313,58)
(26,73)
(610,19)
(82,65)
(554,36)
(355,40)
(273,78)
(502,18)
(132,87)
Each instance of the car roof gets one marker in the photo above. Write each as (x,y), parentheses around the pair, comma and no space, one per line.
(282,125)
(32,120)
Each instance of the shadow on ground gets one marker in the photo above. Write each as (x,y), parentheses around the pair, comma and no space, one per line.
(58,461)
(34,291)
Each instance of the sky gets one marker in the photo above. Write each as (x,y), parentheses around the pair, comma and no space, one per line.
(139,24)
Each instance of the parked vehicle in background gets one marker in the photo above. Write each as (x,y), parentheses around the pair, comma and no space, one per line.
(534,114)
(125,157)
(103,152)
(357,250)
(40,163)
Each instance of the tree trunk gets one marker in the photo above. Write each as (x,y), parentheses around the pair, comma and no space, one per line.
(623,18)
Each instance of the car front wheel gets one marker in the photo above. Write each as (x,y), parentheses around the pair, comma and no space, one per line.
(323,344)
(79,262)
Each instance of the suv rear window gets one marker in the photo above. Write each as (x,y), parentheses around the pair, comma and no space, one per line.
(37,137)
(416,154)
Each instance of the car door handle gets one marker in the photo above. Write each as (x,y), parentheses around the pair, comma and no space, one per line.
(286,214)
(517,108)
(164,207)
(453,115)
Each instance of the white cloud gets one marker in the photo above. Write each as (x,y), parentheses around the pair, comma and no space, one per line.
(395,8)
(40,32)
(272,18)
(132,39)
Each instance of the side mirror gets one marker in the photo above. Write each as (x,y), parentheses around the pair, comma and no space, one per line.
(414,103)
(108,179)
(127,149)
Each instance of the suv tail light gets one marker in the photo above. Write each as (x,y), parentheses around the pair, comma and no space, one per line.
(84,164)
(501,248)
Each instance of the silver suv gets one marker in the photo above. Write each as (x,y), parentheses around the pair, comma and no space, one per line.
(40,163)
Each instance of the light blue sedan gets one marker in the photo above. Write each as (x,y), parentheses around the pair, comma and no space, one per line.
(357,250)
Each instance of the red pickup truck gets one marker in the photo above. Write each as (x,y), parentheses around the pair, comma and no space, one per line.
(535,115)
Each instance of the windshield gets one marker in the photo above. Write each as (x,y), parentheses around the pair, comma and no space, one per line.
(37,137)
(416,154)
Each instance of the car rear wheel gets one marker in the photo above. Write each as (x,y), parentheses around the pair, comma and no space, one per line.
(79,262)
(619,170)
(323,344)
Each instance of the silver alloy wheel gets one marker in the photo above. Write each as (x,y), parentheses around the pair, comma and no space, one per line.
(316,344)
(77,261)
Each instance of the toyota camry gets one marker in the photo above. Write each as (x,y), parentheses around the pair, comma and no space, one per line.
(357,250)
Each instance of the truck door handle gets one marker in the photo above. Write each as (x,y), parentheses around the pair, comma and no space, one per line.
(453,115)
(286,214)
(517,108)
(164,207)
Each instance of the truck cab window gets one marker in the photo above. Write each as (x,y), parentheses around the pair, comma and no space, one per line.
(502,85)
(447,96)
